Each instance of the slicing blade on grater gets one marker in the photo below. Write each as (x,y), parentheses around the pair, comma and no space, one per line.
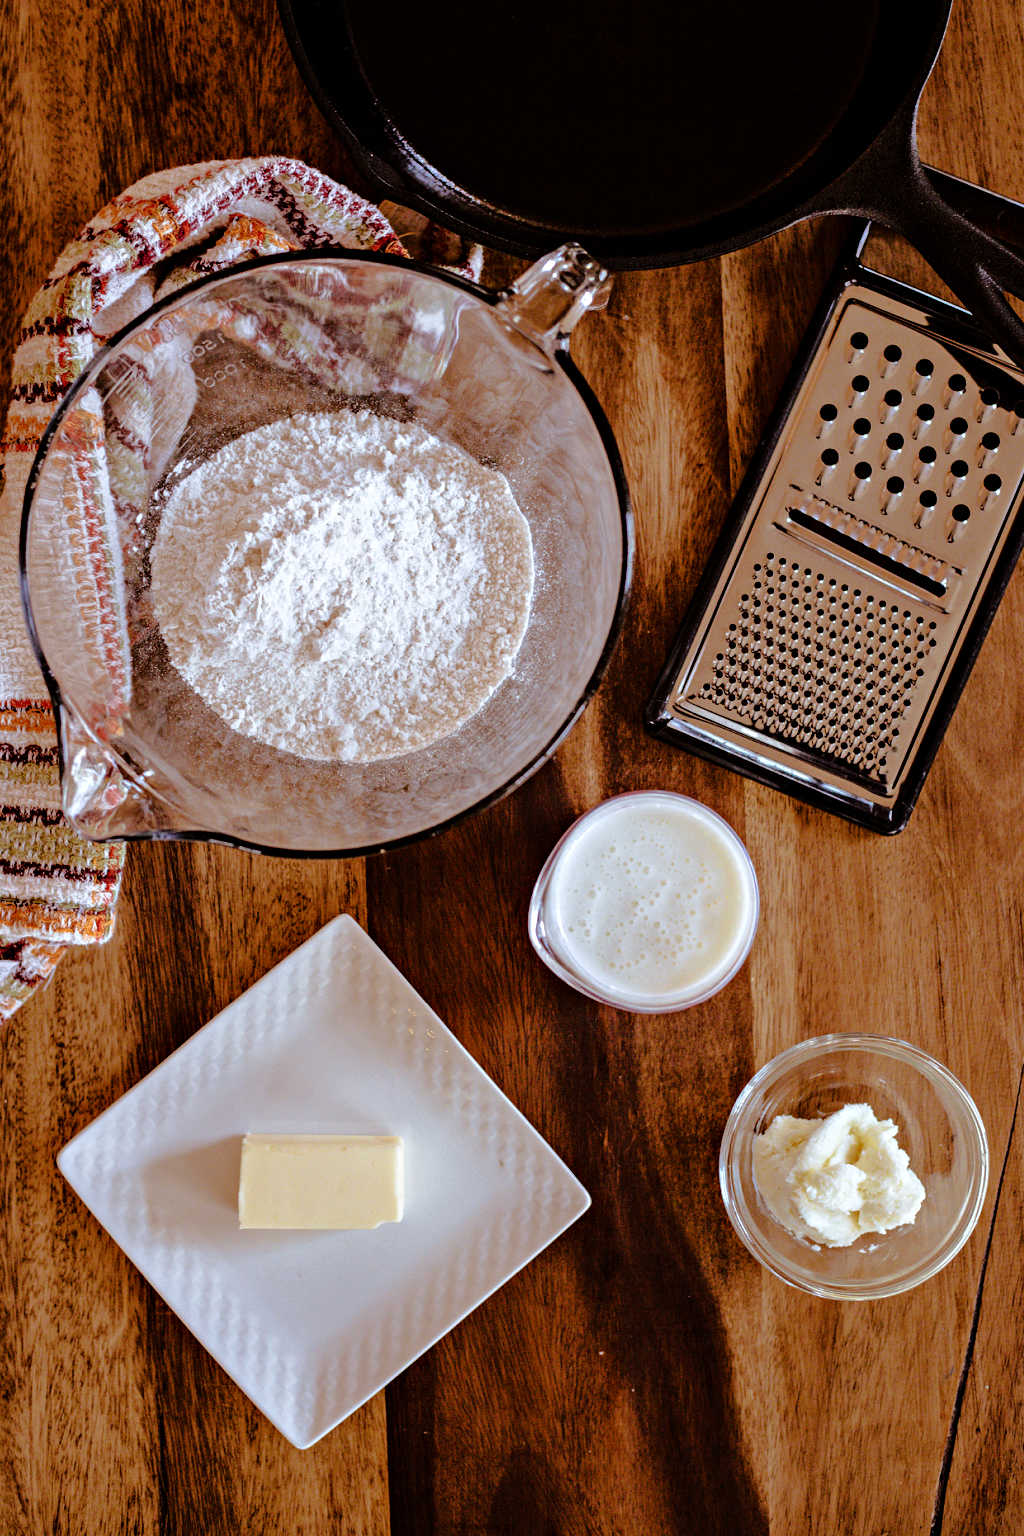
(863,560)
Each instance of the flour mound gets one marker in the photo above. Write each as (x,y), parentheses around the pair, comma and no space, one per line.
(342,586)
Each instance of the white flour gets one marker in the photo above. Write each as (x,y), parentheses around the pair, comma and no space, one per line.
(342,585)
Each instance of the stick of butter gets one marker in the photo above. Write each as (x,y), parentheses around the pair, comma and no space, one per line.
(320,1182)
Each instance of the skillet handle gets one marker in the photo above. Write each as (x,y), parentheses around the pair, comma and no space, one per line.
(980,269)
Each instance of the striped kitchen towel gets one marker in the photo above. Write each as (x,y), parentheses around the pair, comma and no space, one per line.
(56,888)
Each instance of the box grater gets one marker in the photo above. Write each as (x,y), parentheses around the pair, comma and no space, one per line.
(863,560)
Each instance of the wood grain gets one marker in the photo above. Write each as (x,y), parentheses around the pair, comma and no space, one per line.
(643,1376)
(985,1463)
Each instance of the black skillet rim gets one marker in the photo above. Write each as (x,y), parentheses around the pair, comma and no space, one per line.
(329,254)
(398,172)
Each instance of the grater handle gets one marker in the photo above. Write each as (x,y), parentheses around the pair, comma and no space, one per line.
(549,299)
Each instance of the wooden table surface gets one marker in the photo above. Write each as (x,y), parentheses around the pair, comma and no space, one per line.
(644,1375)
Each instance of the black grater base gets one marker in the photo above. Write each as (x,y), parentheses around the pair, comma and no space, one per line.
(863,560)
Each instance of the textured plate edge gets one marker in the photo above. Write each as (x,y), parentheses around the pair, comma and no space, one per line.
(585,1205)
(66,1155)
(471,1061)
(214,1352)
(294,1434)
(357,935)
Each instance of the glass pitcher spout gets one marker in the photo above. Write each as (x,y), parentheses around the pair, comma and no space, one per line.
(548,300)
(100,798)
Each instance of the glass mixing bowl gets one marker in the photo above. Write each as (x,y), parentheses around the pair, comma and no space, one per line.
(141,754)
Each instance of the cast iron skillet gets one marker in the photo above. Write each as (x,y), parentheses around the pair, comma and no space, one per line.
(655,132)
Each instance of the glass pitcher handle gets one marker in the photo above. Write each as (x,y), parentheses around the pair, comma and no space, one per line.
(546,302)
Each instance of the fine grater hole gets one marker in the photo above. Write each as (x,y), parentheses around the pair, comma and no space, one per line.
(822,667)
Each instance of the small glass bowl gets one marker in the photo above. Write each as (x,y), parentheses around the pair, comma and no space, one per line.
(939,1127)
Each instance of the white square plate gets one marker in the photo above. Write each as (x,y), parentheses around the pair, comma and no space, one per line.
(311,1324)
